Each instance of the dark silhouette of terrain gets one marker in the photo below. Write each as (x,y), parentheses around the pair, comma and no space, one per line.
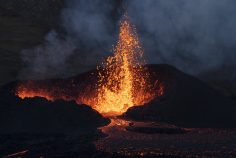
(35,127)
(187,102)
(38,115)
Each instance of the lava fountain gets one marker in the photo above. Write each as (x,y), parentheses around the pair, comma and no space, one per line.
(120,82)
(125,80)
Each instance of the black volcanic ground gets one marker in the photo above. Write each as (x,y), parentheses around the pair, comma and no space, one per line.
(38,116)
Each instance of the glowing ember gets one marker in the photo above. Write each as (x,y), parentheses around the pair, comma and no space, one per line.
(120,82)
(28,91)
(124,81)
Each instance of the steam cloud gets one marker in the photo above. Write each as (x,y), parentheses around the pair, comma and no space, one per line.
(47,60)
(194,35)
(89,37)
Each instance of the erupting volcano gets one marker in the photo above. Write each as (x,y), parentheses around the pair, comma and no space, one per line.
(122,81)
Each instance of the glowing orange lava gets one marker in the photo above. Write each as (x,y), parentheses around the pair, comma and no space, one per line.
(122,81)
(125,80)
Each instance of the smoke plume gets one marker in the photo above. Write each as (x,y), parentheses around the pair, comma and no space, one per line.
(49,59)
(89,27)
(196,36)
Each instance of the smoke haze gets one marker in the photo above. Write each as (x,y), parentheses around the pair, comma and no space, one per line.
(47,60)
(196,36)
(89,27)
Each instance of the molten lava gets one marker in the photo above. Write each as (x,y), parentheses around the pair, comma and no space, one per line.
(122,81)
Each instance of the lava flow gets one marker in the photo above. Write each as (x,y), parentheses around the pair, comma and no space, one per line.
(122,81)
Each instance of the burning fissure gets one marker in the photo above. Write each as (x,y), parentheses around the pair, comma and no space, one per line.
(122,80)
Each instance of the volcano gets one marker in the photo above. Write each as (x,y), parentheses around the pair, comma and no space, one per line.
(183,100)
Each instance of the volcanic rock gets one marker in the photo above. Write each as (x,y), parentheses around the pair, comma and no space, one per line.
(37,115)
(187,102)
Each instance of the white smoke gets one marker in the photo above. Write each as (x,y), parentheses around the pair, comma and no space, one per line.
(89,31)
(194,35)
(49,59)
